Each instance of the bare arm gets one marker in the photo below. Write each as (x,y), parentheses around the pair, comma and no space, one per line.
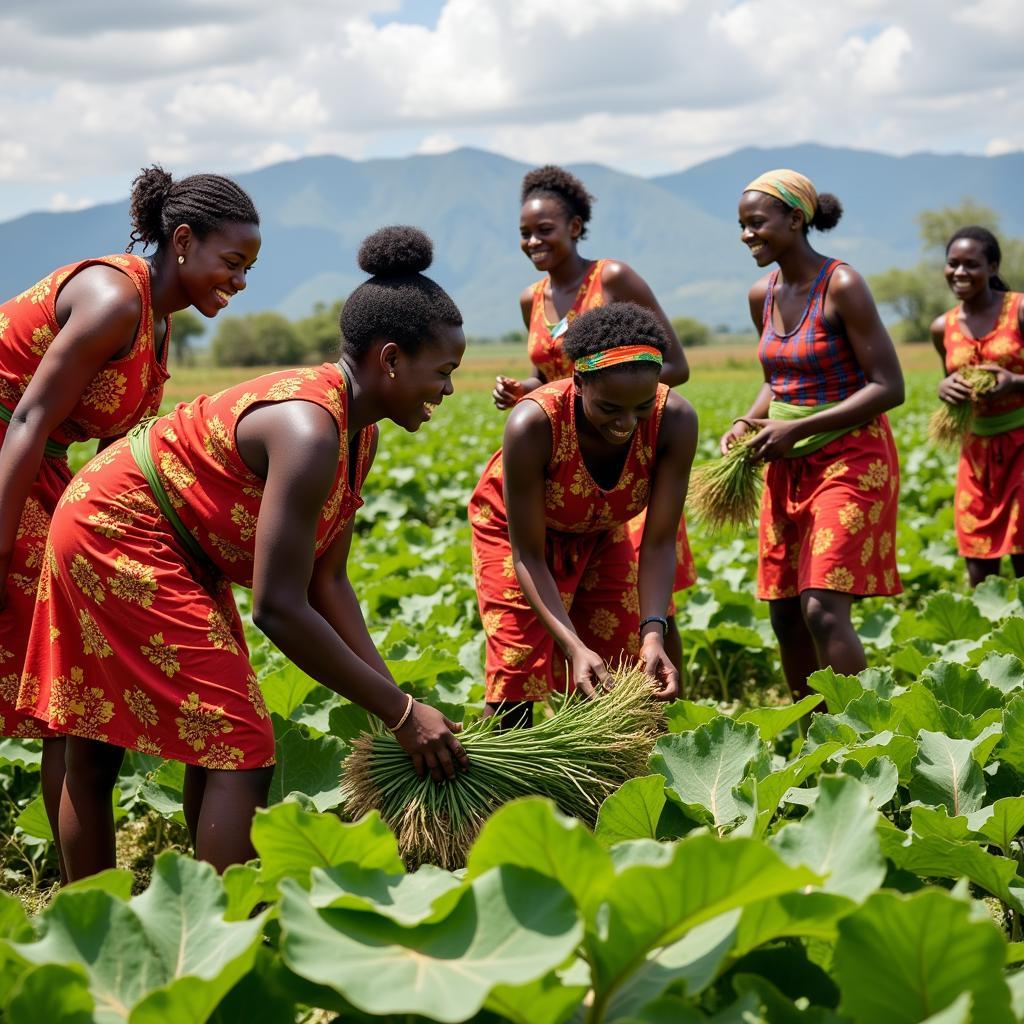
(621,283)
(952,388)
(295,444)
(98,311)
(848,304)
(508,390)
(332,595)
(677,442)
(526,451)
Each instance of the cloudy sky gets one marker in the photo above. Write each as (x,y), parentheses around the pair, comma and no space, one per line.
(90,90)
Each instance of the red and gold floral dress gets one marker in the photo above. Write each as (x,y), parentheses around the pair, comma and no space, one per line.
(136,643)
(990,477)
(547,354)
(828,517)
(587,549)
(119,395)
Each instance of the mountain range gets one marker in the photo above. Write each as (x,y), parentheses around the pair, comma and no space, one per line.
(678,230)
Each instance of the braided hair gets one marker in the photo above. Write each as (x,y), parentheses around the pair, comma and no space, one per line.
(159,204)
(553,182)
(397,302)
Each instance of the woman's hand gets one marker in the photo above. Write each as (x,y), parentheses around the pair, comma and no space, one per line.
(507,391)
(954,390)
(737,431)
(1007,383)
(589,672)
(774,438)
(428,737)
(659,667)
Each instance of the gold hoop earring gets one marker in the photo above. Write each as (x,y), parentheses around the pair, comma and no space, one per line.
(181,259)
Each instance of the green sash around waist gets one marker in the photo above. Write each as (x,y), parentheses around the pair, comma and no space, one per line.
(138,444)
(784,411)
(988,426)
(51,449)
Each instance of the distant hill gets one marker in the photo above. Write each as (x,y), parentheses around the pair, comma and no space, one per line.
(678,230)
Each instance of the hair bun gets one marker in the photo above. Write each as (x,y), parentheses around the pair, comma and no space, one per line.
(150,189)
(828,213)
(396,252)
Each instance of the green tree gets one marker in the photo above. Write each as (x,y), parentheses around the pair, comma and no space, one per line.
(260,339)
(186,325)
(320,332)
(919,294)
(691,332)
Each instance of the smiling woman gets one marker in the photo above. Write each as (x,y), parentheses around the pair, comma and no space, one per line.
(83,354)
(136,641)
(552,556)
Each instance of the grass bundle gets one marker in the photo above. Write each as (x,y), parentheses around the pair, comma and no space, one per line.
(576,757)
(950,424)
(727,491)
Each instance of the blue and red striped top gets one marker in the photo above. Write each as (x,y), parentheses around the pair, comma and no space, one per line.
(814,363)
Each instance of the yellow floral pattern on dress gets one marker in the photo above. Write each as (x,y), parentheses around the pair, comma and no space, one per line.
(822,540)
(105,390)
(138,703)
(161,654)
(93,640)
(867,550)
(222,756)
(42,338)
(244,520)
(219,633)
(491,621)
(228,551)
(86,578)
(851,515)
(839,578)
(200,722)
(603,623)
(255,694)
(82,709)
(217,441)
(132,581)
(75,491)
(536,688)
(515,656)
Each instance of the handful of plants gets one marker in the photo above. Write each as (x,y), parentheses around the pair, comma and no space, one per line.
(576,757)
(727,491)
(950,424)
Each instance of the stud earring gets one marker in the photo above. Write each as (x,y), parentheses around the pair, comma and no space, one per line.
(181,259)
(391,374)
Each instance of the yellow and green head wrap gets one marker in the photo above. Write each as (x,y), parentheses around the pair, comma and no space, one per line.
(791,187)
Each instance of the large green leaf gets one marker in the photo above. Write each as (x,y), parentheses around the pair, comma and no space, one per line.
(900,959)
(632,811)
(961,688)
(24,753)
(946,773)
(511,926)
(1003,671)
(52,992)
(996,598)
(837,839)
(1011,746)
(810,915)
(533,834)
(771,788)
(291,841)
(838,690)
(949,617)
(306,763)
(686,715)
(649,906)
(285,689)
(167,957)
(771,721)
(937,856)
(549,1000)
(999,822)
(426,895)
(702,768)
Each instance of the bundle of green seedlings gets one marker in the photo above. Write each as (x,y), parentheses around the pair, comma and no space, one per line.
(950,424)
(576,757)
(727,491)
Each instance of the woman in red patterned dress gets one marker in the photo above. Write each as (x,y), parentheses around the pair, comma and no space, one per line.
(986,329)
(553,561)
(83,354)
(136,642)
(555,211)
(828,517)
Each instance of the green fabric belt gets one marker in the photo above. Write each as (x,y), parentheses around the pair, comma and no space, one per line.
(138,444)
(784,411)
(988,426)
(51,449)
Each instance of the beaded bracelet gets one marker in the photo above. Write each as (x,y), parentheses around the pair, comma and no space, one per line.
(405,715)
(655,618)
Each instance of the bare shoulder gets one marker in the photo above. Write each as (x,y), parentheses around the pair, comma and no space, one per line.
(527,424)
(846,281)
(679,414)
(759,289)
(938,328)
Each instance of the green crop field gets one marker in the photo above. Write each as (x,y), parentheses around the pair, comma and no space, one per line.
(850,858)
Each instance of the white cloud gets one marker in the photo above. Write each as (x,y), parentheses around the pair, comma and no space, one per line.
(61,202)
(648,85)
